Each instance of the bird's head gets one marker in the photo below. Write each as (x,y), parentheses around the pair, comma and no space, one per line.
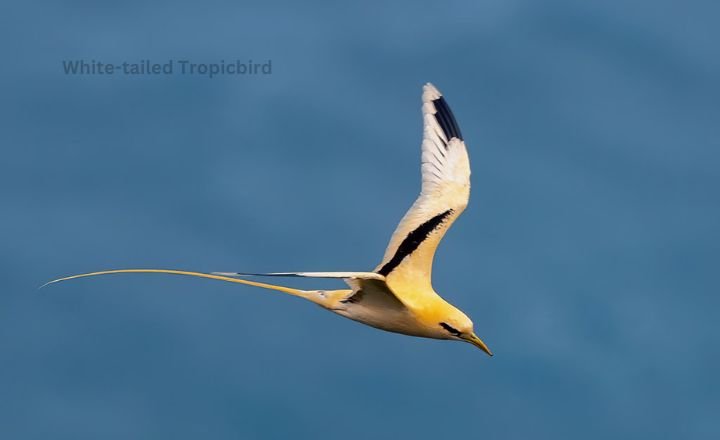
(454,324)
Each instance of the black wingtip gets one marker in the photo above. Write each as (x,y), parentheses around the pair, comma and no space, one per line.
(446,119)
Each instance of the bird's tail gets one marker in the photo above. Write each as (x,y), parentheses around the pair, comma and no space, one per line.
(289,290)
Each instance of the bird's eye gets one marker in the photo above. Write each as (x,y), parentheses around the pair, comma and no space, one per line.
(450,329)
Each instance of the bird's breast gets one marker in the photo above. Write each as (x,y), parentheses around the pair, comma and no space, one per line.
(396,320)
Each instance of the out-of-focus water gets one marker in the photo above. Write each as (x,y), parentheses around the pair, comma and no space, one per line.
(588,257)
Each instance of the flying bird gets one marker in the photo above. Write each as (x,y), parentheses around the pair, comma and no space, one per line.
(398,295)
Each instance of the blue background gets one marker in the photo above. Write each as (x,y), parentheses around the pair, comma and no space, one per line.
(588,257)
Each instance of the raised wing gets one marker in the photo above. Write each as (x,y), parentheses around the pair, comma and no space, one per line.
(407,264)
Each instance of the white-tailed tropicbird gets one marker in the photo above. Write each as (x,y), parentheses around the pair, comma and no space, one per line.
(398,295)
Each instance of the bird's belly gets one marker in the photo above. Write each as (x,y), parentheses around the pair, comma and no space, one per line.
(389,320)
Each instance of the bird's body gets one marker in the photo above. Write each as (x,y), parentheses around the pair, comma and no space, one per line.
(398,295)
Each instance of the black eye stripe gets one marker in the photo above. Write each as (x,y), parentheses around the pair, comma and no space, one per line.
(453,331)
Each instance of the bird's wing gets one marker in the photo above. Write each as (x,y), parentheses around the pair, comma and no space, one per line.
(368,288)
(343,275)
(407,263)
